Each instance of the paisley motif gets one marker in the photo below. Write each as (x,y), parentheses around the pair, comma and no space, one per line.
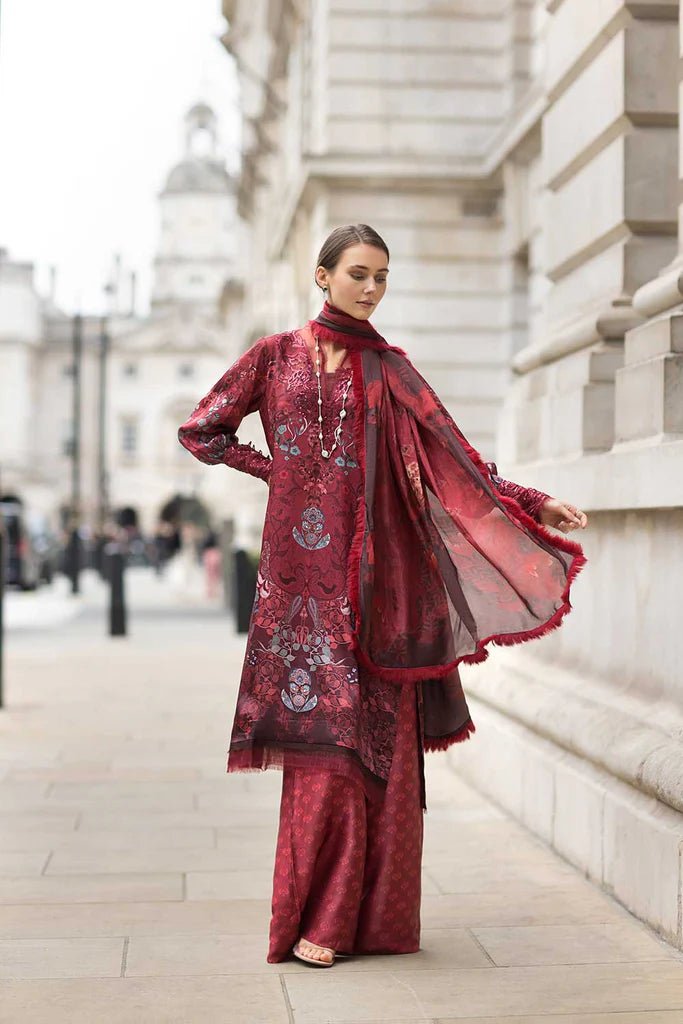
(311,534)
(299,698)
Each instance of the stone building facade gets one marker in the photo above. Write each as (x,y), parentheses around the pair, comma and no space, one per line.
(521,158)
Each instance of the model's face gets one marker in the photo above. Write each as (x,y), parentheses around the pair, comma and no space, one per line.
(358,282)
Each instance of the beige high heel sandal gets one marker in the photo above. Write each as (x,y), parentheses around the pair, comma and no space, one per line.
(311,960)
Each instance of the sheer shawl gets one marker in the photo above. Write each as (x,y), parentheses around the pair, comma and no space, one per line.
(442,565)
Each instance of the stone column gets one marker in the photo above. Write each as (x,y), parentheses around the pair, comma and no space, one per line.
(608,218)
(649,387)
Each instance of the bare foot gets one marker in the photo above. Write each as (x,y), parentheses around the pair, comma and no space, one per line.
(315,952)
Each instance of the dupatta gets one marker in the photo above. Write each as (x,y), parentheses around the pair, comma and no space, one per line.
(441,564)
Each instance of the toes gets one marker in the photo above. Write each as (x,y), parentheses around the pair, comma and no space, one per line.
(315,952)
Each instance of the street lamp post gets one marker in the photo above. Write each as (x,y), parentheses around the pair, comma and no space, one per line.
(3,556)
(74,542)
(102,474)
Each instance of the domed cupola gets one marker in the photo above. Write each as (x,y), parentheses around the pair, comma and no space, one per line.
(197,245)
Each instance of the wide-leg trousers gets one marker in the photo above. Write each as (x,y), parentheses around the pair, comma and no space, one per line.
(348,868)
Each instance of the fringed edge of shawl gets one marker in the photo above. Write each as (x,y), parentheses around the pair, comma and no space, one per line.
(481,653)
(433,743)
(341,761)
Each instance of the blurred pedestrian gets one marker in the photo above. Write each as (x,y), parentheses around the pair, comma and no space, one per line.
(211,558)
(166,542)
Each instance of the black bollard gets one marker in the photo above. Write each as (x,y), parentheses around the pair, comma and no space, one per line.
(73,561)
(117,598)
(101,558)
(245,590)
(2,595)
(227,564)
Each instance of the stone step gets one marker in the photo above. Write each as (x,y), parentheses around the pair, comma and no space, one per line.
(649,398)
(655,338)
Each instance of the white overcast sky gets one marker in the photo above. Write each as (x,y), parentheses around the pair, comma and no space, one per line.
(92,100)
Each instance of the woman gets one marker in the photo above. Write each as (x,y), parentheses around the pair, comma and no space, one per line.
(390,553)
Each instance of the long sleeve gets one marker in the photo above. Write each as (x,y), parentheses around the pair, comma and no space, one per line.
(528,498)
(209,433)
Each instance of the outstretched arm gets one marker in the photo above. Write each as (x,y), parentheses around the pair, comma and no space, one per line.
(210,432)
(540,506)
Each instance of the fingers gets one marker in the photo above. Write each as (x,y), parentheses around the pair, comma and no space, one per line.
(572,518)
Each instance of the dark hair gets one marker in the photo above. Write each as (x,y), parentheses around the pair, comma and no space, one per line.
(342,238)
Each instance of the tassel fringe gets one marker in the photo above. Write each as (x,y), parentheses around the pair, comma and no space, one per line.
(433,743)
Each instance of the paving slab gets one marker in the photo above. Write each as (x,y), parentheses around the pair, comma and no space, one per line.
(235,917)
(24,840)
(44,820)
(572,944)
(61,958)
(249,999)
(91,888)
(100,858)
(522,905)
(226,885)
(590,988)
(25,862)
(648,1017)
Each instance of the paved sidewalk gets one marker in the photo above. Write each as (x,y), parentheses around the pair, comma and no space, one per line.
(135,874)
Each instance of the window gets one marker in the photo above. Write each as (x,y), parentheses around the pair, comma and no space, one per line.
(129,437)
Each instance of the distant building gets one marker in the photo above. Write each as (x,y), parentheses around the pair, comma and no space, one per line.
(157,368)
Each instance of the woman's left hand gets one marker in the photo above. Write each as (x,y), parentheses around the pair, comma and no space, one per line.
(562,515)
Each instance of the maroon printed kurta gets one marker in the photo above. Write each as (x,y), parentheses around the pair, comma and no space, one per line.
(302,700)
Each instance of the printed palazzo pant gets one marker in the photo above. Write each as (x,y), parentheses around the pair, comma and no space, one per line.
(348,870)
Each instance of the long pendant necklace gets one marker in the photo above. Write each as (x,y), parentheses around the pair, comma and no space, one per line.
(326,453)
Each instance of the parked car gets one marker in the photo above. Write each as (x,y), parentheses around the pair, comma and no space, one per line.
(22,560)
